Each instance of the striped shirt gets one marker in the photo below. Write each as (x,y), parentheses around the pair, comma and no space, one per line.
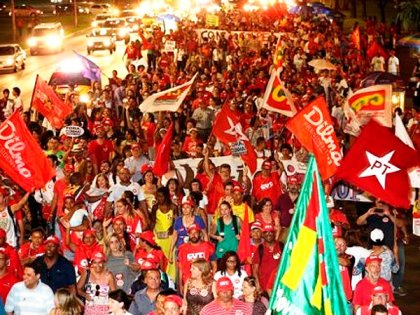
(238,308)
(24,301)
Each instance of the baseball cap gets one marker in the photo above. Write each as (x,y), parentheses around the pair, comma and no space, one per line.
(69,167)
(118,218)
(238,188)
(98,257)
(148,236)
(174,298)
(52,239)
(371,259)
(187,200)
(256,225)
(292,180)
(224,284)
(379,290)
(148,265)
(268,228)
(194,227)
(135,146)
(146,168)
(89,232)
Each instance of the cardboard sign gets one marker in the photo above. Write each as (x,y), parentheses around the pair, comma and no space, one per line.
(238,148)
(170,45)
(73,131)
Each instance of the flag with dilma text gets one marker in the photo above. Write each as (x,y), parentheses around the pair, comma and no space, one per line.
(308,280)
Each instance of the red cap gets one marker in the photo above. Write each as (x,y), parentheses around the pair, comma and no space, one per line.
(118,218)
(69,167)
(148,236)
(148,265)
(187,200)
(238,188)
(256,225)
(135,146)
(268,228)
(224,284)
(4,252)
(52,239)
(98,257)
(193,227)
(146,168)
(371,259)
(292,180)
(379,290)
(4,192)
(3,233)
(174,299)
(89,232)
(266,164)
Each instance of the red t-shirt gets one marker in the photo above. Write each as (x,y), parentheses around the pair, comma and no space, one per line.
(188,252)
(149,128)
(59,189)
(6,283)
(269,262)
(27,250)
(14,266)
(364,290)
(266,187)
(100,152)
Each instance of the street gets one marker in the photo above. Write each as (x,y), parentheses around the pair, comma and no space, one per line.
(45,64)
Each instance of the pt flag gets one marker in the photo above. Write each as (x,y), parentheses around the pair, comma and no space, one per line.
(378,163)
(163,154)
(314,129)
(365,104)
(276,97)
(49,104)
(168,100)
(21,157)
(228,129)
(308,280)
(90,70)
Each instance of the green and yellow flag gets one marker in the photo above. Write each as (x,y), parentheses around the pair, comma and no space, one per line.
(308,280)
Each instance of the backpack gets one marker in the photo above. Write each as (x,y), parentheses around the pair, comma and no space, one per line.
(234,222)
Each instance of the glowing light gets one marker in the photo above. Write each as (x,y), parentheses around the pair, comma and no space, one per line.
(31,42)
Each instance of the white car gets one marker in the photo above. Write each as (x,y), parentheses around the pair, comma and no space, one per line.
(100,19)
(12,57)
(46,37)
(99,8)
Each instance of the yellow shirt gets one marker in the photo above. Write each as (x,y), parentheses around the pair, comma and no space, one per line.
(239,211)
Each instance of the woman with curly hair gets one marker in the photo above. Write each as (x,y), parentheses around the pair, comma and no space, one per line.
(230,266)
(198,289)
(252,296)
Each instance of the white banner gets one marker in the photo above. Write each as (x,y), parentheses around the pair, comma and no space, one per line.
(205,33)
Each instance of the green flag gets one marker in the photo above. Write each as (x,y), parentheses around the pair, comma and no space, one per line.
(308,280)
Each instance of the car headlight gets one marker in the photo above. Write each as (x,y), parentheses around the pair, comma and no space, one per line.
(10,61)
(136,27)
(122,32)
(90,43)
(84,98)
(107,42)
(94,24)
(31,42)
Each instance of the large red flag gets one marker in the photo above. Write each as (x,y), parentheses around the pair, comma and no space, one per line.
(163,153)
(215,191)
(277,98)
(314,129)
(376,48)
(378,162)
(244,246)
(21,157)
(228,129)
(49,104)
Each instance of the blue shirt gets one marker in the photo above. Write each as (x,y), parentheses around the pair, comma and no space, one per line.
(141,304)
(182,230)
(61,274)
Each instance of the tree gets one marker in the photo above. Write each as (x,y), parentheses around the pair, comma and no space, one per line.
(409,15)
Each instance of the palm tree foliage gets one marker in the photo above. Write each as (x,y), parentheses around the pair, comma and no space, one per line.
(409,15)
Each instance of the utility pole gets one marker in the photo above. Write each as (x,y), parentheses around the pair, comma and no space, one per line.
(12,11)
(75,12)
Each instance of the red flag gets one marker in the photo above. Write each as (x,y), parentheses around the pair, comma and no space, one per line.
(378,162)
(161,165)
(49,104)
(244,246)
(228,129)
(277,98)
(314,129)
(215,191)
(373,50)
(21,157)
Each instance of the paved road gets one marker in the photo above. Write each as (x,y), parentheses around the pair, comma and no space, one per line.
(44,65)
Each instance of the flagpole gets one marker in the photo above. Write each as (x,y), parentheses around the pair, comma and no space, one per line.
(32,98)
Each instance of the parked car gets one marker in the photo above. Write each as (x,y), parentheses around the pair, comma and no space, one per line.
(12,57)
(24,10)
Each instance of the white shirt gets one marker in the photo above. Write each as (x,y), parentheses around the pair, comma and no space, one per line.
(116,191)
(393,64)
(236,280)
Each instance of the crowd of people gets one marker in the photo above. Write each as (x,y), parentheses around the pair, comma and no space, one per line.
(107,235)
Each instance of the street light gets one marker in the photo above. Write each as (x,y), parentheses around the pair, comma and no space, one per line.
(13,14)
(75,12)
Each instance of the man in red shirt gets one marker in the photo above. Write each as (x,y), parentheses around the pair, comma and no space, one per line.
(379,297)
(266,257)
(365,288)
(224,302)
(14,265)
(31,250)
(100,149)
(195,248)
(267,183)
(7,278)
